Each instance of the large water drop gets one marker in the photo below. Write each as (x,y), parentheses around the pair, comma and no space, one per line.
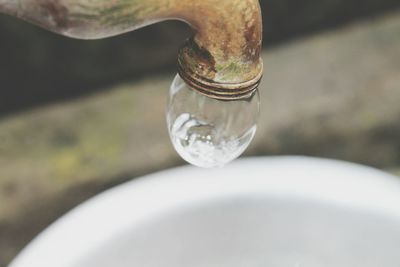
(207,132)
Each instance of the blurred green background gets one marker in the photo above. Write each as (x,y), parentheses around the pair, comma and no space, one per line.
(78,117)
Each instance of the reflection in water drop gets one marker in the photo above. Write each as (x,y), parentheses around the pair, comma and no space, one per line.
(207,132)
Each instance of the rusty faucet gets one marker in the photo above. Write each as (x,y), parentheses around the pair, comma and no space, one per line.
(222,60)
(212,124)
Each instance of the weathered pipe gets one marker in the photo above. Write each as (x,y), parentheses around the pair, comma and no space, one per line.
(222,60)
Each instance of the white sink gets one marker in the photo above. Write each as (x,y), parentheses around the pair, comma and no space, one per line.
(258,212)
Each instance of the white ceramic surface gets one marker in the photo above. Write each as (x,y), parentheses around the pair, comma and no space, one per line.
(285,211)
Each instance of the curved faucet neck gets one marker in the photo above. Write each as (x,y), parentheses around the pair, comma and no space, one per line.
(224,53)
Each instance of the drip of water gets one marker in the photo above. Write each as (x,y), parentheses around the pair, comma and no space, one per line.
(207,132)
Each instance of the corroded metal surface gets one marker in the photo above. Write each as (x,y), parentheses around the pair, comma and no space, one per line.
(222,60)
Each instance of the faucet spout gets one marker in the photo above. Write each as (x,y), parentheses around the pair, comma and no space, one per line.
(222,60)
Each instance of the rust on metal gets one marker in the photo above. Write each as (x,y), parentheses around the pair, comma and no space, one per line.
(222,60)
(56,12)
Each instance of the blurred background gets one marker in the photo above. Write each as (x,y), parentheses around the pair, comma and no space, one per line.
(78,117)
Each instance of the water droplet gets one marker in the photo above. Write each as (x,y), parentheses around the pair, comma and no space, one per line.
(207,132)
